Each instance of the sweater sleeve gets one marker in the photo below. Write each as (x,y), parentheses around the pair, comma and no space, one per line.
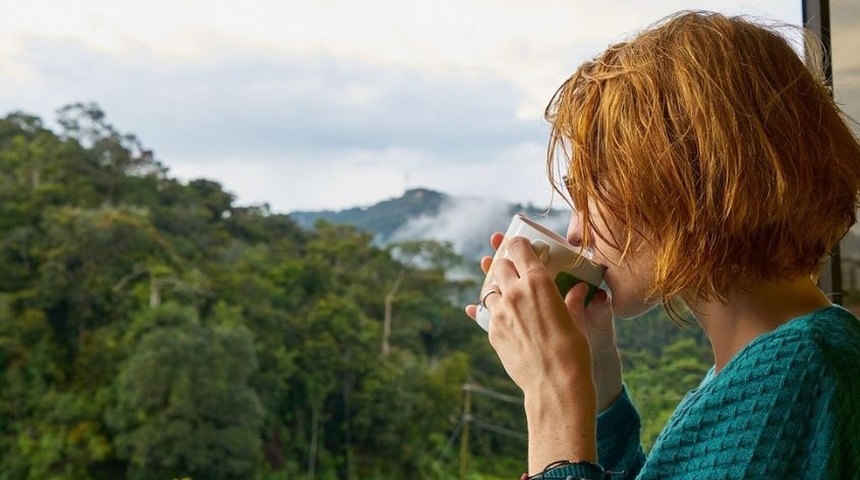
(618,443)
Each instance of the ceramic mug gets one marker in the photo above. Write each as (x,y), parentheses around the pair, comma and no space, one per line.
(568,264)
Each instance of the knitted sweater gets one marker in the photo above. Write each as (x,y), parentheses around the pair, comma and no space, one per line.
(787,406)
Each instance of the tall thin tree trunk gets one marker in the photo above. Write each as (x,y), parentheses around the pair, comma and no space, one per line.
(389,301)
(154,293)
(347,388)
(312,455)
(35,177)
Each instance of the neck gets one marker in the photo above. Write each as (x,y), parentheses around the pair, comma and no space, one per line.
(752,311)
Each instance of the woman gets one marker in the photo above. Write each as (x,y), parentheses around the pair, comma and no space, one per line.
(710,172)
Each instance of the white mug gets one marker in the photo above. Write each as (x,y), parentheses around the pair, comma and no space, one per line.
(568,264)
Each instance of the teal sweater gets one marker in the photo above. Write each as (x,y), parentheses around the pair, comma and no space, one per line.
(787,406)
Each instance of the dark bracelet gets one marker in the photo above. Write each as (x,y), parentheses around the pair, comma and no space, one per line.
(567,470)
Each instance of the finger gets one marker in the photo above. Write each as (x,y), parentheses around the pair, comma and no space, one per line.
(521,253)
(485,264)
(490,298)
(575,300)
(599,314)
(504,273)
(496,240)
(600,306)
(599,317)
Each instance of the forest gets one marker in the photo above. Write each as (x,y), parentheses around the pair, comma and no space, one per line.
(152,328)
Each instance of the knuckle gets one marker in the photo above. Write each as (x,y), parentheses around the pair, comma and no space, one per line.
(519,242)
(537,272)
(514,295)
(537,278)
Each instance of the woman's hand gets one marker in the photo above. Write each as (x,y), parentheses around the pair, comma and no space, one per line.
(596,321)
(531,328)
(546,353)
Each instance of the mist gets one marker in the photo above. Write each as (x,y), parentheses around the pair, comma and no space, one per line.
(466,223)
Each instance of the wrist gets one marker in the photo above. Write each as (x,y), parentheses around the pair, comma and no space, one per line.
(562,423)
(606,368)
(551,396)
(605,360)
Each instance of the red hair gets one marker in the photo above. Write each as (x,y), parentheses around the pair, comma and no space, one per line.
(709,138)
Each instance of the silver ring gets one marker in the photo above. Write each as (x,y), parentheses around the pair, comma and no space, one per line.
(489,292)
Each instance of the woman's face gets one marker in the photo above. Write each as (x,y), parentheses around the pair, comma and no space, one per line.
(628,279)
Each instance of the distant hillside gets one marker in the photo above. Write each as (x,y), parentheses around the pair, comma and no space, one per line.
(382,219)
(465,222)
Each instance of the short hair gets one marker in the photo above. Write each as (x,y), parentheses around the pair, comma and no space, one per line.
(708,137)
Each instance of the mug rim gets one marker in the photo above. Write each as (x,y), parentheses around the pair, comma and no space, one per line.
(585,253)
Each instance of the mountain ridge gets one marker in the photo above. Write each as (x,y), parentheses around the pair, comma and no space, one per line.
(425,214)
(467,222)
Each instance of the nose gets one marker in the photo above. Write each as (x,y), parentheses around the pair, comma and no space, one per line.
(574,229)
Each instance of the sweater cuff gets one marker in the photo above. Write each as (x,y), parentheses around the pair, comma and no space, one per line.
(565,470)
(618,419)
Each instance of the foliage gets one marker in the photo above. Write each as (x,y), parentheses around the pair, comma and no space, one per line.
(184,404)
(152,329)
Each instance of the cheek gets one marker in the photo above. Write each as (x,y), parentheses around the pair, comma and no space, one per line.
(628,293)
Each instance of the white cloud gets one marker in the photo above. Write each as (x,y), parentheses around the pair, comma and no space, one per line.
(325,103)
(289,183)
(531,44)
(246,102)
(361,178)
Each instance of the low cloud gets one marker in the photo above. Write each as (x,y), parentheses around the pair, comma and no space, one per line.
(467,223)
(464,222)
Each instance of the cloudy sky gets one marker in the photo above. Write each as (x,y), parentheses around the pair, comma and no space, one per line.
(325,104)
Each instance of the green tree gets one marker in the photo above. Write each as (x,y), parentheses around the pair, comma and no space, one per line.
(184,406)
(404,414)
(30,367)
(88,257)
(38,171)
(335,345)
(112,157)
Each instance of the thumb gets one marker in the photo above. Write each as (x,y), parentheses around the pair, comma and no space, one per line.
(575,303)
(596,320)
(599,311)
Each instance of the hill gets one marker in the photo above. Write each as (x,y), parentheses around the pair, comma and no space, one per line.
(467,222)
(141,316)
(464,222)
